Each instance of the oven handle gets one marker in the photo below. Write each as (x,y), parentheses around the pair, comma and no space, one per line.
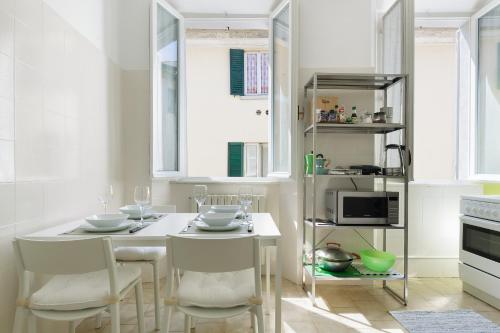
(482,223)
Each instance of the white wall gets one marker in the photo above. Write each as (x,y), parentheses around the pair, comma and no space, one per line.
(435,110)
(214,117)
(60,129)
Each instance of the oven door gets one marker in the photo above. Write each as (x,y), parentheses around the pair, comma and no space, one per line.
(480,244)
(363,208)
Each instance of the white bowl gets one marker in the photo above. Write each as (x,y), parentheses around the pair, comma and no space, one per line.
(134,212)
(225,208)
(106,220)
(217,219)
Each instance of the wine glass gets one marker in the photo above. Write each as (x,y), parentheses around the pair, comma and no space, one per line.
(142,195)
(245,197)
(200,193)
(106,196)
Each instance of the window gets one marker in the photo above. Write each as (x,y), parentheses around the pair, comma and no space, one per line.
(256,73)
(198,128)
(487,140)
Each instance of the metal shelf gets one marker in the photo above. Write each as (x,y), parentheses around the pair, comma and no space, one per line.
(326,225)
(389,276)
(359,176)
(354,81)
(342,81)
(354,128)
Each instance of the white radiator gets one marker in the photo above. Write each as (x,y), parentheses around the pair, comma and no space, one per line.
(258,202)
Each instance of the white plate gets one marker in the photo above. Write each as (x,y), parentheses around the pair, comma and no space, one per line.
(225,208)
(217,219)
(203,226)
(135,213)
(90,228)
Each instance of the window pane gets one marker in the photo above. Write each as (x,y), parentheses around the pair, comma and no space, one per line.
(251,74)
(488,93)
(281,92)
(264,69)
(168,86)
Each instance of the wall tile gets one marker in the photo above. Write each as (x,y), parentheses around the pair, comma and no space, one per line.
(8,278)
(29,12)
(28,84)
(8,203)
(6,119)
(30,202)
(30,142)
(6,77)
(6,32)
(28,44)
(6,161)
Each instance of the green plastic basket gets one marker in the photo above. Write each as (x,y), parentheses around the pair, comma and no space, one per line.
(377,261)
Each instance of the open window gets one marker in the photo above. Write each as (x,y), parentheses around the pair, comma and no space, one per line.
(222,102)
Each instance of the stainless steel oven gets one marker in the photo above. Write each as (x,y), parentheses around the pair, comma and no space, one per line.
(362,208)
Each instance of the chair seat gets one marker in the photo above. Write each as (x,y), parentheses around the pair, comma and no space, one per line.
(82,291)
(216,290)
(144,253)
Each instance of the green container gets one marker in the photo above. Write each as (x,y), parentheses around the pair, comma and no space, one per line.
(308,163)
(377,261)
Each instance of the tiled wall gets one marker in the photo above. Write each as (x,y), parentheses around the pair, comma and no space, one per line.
(60,128)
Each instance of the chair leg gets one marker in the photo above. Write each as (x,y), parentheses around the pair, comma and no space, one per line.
(156,286)
(253,324)
(72,327)
(20,319)
(260,318)
(31,323)
(165,327)
(187,324)
(98,320)
(115,318)
(139,306)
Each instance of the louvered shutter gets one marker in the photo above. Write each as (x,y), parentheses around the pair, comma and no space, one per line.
(236,70)
(235,159)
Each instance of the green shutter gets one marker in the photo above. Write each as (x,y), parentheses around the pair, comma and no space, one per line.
(235,159)
(236,70)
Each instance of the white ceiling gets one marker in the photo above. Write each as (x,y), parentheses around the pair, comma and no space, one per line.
(237,7)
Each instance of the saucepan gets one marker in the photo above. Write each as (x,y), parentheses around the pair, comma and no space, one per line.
(332,258)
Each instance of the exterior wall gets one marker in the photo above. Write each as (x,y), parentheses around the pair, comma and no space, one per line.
(214,117)
(60,130)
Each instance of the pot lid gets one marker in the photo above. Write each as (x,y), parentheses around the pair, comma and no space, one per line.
(334,254)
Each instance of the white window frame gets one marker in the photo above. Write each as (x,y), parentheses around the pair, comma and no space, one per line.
(472,163)
(259,73)
(293,81)
(181,176)
(155,149)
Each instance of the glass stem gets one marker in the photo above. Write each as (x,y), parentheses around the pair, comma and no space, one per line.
(142,215)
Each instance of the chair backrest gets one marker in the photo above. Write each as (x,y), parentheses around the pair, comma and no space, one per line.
(163,209)
(213,255)
(76,256)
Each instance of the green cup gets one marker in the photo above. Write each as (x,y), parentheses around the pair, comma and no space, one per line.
(309,163)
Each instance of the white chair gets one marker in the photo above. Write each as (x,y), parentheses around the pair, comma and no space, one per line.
(266,258)
(221,279)
(85,282)
(147,255)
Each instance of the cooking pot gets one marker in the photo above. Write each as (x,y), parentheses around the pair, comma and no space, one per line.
(332,258)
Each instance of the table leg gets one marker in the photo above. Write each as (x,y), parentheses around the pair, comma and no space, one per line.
(268,279)
(277,288)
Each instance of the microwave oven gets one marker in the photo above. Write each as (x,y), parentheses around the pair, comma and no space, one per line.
(362,208)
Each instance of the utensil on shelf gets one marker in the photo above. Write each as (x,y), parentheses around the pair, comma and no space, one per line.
(377,261)
(106,196)
(403,154)
(332,258)
(142,196)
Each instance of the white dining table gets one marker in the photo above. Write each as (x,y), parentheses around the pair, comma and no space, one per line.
(173,224)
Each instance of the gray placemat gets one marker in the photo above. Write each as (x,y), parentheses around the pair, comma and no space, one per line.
(80,231)
(456,321)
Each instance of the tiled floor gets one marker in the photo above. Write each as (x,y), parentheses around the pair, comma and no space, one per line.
(340,309)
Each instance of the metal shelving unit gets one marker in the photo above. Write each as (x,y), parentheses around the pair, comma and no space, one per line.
(329,81)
